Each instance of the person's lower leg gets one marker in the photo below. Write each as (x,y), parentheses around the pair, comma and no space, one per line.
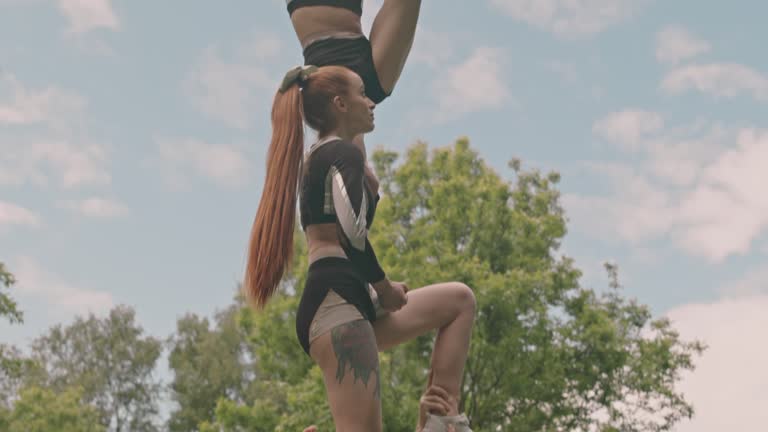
(450,354)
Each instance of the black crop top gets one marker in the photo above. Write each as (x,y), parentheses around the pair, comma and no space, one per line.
(355,6)
(334,190)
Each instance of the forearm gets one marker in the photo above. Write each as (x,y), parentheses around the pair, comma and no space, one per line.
(381,286)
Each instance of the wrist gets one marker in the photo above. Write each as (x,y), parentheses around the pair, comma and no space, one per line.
(382,285)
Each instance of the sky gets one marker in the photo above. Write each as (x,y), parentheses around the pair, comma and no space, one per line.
(133,139)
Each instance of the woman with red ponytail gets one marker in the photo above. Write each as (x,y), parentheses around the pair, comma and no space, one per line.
(349,309)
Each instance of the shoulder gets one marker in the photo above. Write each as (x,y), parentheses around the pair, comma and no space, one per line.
(347,146)
(335,151)
(347,151)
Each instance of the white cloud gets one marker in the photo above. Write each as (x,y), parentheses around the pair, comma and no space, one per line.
(95,207)
(729,387)
(674,154)
(729,208)
(716,225)
(229,91)
(703,191)
(474,85)
(675,44)
(35,281)
(722,80)
(86,15)
(678,155)
(51,106)
(629,126)
(46,162)
(226,165)
(432,48)
(741,169)
(635,210)
(43,143)
(83,17)
(570,18)
(12,214)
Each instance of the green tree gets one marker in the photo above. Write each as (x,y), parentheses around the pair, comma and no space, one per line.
(42,410)
(547,354)
(8,310)
(16,370)
(111,360)
(13,366)
(207,364)
(8,307)
(279,407)
(9,360)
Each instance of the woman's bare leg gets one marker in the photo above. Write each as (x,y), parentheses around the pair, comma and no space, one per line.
(348,357)
(391,39)
(448,307)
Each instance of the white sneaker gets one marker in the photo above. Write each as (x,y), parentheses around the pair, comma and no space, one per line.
(437,423)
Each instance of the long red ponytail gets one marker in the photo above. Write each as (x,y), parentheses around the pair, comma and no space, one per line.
(270,249)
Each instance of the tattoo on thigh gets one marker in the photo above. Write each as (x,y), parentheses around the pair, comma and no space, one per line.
(355,347)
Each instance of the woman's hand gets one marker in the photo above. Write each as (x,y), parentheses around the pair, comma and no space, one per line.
(393,296)
(435,401)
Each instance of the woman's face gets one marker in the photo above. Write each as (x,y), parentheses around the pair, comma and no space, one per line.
(359,109)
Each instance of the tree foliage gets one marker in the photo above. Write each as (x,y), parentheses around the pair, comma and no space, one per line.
(12,364)
(207,364)
(42,410)
(111,361)
(8,307)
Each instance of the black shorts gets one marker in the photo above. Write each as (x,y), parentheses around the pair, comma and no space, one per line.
(340,275)
(355,54)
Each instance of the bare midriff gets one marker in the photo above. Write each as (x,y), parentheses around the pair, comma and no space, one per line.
(317,22)
(323,241)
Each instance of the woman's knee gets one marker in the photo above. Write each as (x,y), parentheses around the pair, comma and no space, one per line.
(465,297)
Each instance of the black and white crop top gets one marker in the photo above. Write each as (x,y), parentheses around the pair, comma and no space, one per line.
(334,190)
(355,6)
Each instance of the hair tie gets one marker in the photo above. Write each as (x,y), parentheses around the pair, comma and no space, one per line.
(297,74)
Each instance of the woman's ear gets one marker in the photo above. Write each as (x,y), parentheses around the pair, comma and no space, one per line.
(339,103)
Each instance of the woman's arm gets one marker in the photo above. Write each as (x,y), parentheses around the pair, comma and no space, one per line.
(350,203)
(351,206)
